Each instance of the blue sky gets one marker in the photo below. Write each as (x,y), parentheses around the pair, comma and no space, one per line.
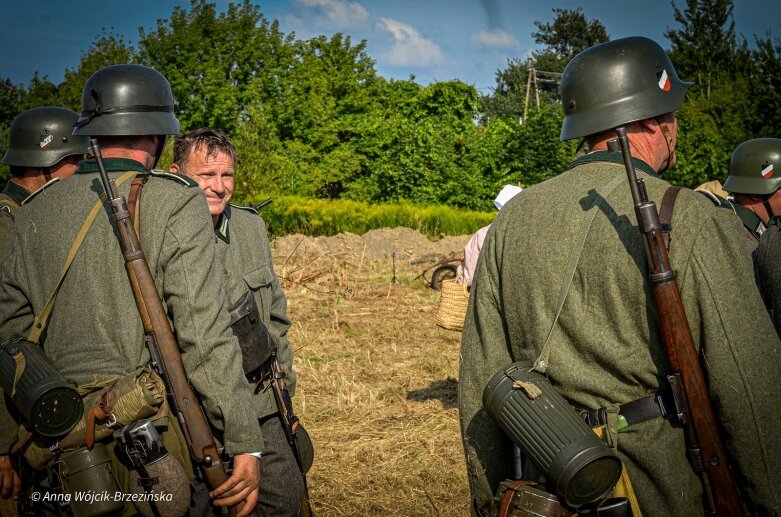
(431,39)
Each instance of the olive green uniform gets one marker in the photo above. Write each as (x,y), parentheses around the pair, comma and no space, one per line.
(94,327)
(768,269)
(605,348)
(244,256)
(10,200)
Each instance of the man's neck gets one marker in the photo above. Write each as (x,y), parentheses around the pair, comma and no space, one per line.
(140,156)
(32,182)
(643,144)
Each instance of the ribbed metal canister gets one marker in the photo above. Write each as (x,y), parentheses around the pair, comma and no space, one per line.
(45,398)
(577,465)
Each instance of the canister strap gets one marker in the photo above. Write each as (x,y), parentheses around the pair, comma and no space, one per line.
(659,404)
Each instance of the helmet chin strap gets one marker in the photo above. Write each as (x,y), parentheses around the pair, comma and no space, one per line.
(668,137)
(769,208)
(161,141)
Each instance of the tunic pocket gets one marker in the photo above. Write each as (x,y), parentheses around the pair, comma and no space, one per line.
(259,281)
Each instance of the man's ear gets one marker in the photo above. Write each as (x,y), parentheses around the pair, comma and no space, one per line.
(174,168)
(650,125)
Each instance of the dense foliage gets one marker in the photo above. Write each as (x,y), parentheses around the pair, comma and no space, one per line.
(312,118)
(290,214)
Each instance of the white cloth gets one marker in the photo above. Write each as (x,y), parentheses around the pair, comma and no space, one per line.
(506,194)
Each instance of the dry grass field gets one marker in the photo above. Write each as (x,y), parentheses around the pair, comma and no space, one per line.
(377,378)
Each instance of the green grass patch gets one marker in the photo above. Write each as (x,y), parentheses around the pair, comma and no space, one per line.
(315,217)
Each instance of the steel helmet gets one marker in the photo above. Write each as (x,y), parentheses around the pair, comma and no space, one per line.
(41,137)
(618,82)
(755,167)
(127,100)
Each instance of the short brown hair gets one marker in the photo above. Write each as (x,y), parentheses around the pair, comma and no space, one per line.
(213,139)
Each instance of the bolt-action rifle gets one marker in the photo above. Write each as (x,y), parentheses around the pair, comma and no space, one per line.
(290,423)
(160,340)
(704,446)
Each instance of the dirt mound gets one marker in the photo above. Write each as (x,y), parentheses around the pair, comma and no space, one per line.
(411,247)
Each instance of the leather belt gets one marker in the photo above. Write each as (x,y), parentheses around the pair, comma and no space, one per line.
(659,404)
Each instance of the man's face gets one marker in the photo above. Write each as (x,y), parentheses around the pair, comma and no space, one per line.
(214,174)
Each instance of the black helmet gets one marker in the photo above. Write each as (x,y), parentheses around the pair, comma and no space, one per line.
(616,83)
(755,167)
(127,100)
(41,137)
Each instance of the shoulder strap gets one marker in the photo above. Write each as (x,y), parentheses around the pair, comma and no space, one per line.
(666,213)
(542,361)
(134,201)
(39,324)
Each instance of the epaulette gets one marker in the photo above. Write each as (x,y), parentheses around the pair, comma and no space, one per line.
(247,208)
(40,189)
(181,178)
(750,220)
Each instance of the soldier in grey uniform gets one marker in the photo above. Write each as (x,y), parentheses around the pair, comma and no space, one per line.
(40,149)
(755,182)
(562,283)
(252,289)
(94,329)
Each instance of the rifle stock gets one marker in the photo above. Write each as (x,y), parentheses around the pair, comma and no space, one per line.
(706,449)
(160,340)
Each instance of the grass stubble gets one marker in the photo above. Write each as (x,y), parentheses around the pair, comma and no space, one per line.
(377,387)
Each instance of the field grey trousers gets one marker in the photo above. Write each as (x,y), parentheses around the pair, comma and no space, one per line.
(281,483)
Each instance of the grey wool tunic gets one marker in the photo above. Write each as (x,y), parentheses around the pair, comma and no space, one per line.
(605,348)
(244,257)
(10,200)
(94,327)
(768,269)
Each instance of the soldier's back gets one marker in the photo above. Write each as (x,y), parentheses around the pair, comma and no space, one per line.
(95,321)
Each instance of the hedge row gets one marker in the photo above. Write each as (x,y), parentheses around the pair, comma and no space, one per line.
(315,217)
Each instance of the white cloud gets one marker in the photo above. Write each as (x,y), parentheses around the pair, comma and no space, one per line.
(495,38)
(336,14)
(410,48)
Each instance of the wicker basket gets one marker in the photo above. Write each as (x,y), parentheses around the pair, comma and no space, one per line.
(452,305)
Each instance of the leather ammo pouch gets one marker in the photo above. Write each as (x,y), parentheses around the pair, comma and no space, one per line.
(107,405)
(254,338)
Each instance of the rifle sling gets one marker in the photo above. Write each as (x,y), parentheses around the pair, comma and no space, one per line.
(42,319)
(134,202)
(666,213)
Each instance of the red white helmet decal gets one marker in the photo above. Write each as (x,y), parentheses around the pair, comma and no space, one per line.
(767,170)
(44,143)
(664,80)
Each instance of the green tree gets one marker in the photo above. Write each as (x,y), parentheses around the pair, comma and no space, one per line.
(569,33)
(704,47)
(217,64)
(107,49)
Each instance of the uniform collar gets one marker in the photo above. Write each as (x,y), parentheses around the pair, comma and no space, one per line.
(111,165)
(222,229)
(607,156)
(15,191)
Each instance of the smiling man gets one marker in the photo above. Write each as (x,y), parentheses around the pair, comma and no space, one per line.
(256,300)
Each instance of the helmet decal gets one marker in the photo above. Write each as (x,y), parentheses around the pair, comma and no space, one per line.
(664,80)
(46,141)
(767,170)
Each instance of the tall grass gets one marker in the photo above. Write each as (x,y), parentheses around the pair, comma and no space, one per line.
(315,217)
